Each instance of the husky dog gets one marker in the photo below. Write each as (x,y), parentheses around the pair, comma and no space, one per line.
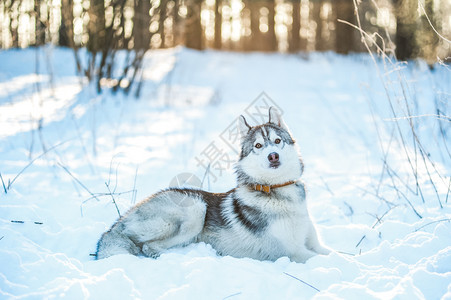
(265,217)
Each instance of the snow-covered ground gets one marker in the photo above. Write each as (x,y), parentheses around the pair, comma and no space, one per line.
(390,239)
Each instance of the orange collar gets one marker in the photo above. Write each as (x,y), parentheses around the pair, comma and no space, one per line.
(267,188)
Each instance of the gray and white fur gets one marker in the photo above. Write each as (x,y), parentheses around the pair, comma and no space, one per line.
(242,222)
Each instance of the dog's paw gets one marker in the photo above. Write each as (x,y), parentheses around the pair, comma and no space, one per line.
(149,251)
(322,250)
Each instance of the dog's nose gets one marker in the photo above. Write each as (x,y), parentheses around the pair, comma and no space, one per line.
(273,157)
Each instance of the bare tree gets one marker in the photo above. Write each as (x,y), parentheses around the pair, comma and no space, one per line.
(344,33)
(66,30)
(271,40)
(13,10)
(39,25)
(218,24)
(141,22)
(162,18)
(176,24)
(295,38)
(316,13)
(261,39)
(96,26)
(193,26)
(255,41)
(406,47)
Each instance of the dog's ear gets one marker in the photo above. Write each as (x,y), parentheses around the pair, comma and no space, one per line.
(243,126)
(276,118)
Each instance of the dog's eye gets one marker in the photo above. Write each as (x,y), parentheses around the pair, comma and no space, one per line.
(277,141)
(258,145)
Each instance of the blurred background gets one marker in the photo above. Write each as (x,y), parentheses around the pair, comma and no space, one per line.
(404,27)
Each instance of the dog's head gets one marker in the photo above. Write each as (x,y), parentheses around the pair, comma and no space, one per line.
(268,152)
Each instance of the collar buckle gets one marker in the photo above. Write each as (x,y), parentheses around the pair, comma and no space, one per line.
(267,188)
(263,188)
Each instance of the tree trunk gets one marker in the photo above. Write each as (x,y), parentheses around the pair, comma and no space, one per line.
(218,24)
(271,40)
(161,20)
(256,35)
(193,26)
(121,42)
(96,26)
(295,38)
(13,16)
(344,33)
(319,41)
(66,30)
(141,23)
(176,24)
(406,47)
(39,25)
(262,41)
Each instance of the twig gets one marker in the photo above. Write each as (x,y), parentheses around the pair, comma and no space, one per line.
(449,188)
(361,240)
(107,194)
(327,186)
(385,152)
(41,137)
(392,172)
(379,219)
(430,23)
(207,172)
(108,183)
(3,183)
(442,132)
(346,253)
(351,210)
(115,181)
(430,178)
(2,238)
(31,162)
(438,116)
(433,222)
(22,222)
(110,169)
(389,203)
(114,200)
(78,181)
(134,186)
(233,295)
(404,196)
(308,284)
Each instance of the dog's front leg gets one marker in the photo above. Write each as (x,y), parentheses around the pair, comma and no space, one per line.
(303,255)
(150,249)
(313,243)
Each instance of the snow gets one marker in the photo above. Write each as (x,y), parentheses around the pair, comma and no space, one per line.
(102,144)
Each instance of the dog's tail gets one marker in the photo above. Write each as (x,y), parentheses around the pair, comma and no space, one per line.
(112,243)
